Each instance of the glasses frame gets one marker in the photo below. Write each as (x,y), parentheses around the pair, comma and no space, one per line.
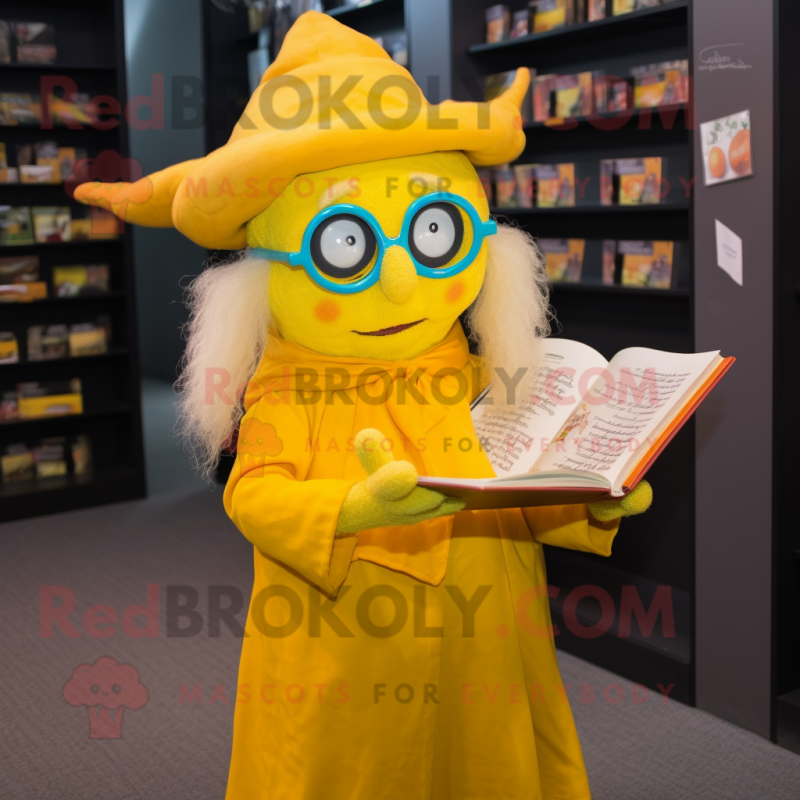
(480,230)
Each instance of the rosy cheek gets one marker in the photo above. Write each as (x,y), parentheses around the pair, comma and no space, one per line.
(455,292)
(327,311)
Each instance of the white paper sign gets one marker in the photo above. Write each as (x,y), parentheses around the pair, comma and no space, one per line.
(729,252)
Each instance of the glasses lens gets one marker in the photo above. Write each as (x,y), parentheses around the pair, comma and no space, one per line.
(342,246)
(436,234)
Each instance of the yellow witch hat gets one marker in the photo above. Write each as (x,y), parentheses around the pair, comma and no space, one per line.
(332,97)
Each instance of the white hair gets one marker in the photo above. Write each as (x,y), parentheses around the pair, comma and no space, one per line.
(511,315)
(225,338)
(229,316)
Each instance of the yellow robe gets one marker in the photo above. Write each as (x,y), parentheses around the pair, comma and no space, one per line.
(408,663)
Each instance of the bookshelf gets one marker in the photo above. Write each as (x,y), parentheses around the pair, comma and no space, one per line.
(383,18)
(357,13)
(656,549)
(786,545)
(90,43)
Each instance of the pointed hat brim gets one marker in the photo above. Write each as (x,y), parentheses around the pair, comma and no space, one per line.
(332,98)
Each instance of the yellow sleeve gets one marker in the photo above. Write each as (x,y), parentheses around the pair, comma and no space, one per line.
(572,527)
(288,518)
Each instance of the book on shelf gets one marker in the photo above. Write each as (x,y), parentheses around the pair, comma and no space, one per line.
(19,269)
(563,259)
(505,187)
(560,97)
(61,111)
(587,429)
(647,264)
(48,341)
(626,6)
(555,186)
(50,457)
(19,280)
(34,42)
(23,292)
(52,224)
(16,227)
(80,280)
(547,15)
(49,399)
(67,158)
(38,173)
(607,188)
(42,162)
(9,406)
(595,10)
(520,24)
(542,92)
(525,175)
(5,42)
(573,95)
(17,464)
(54,456)
(94,223)
(60,341)
(639,181)
(609,262)
(20,109)
(498,23)
(631,181)
(39,163)
(89,338)
(662,84)
(9,348)
(619,96)
(81,452)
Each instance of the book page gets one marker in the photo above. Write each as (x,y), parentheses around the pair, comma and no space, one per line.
(515,437)
(624,409)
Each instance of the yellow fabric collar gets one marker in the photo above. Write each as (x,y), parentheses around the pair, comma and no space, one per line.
(411,389)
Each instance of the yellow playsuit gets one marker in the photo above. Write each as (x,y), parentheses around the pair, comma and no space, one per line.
(407,663)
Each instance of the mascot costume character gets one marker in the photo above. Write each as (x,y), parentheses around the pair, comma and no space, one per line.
(397,647)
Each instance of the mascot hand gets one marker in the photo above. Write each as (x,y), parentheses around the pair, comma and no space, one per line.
(390,495)
(637,502)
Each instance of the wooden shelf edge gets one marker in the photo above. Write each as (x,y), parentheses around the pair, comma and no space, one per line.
(110,484)
(343,12)
(635,113)
(59,67)
(562,35)
(57,301)
(16,248)
(640,291)
(118,410)
(113,352)
(670,208)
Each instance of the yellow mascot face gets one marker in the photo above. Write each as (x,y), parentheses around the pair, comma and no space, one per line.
(402,313)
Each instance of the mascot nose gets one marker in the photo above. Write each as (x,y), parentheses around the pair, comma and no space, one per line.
(398,275)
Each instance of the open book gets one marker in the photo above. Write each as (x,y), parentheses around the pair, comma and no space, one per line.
(586,428)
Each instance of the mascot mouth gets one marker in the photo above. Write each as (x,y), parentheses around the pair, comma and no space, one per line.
(389,331)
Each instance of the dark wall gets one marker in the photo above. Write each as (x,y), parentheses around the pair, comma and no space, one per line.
(734,427)
(164,38)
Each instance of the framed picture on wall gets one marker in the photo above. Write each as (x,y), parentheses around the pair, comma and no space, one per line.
(727,148)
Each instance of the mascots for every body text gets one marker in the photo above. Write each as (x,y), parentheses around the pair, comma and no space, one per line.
(397,647)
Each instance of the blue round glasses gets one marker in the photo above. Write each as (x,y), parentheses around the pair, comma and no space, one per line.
(341,241)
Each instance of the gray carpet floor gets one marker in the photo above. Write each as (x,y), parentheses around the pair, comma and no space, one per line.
(175,747)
